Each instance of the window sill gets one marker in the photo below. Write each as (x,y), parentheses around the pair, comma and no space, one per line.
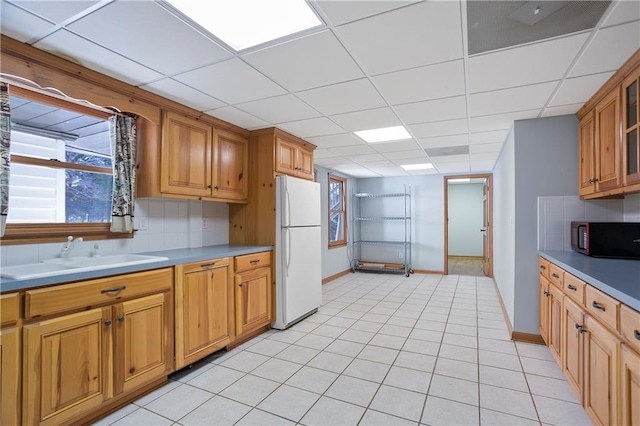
(53,233)
(337,245)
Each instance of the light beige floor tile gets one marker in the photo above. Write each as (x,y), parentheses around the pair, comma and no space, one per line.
(328,331)
(458,369)
(216,411)
(298,354)
(465,330)
(429,335)
(458,320)
(331,362)
(288,402)
(376,418)
(381,319)
(458,353)
(353,390)
(496,359)
(430,316)
(312,379)
(379,310)
(395,330)
(369,326)
(169,386)
(317,318)
(529,350)
(393,342)
(541,368)
(415,361)
(315,341)
(346,313)
(342,347)
(276,369)
(329,411)
(367,370)
(405,378)
(216,379)
(287,336)
(305,327)
(117,415)
(495,418)
(262,418)
(250,390)
(492,333)
(500,346)
(552,388)
(430,325)
(143,417)
(341,322)
(421,347)
(503,378)
(399,402)
(357,308)
(188,373)
(454,389)
(487,323)
(178,402)
(244,361)
(460,340)
(357,336)
(558,412)
(438,411)
(268,347)
(463,313)
(507,401)
(378,354)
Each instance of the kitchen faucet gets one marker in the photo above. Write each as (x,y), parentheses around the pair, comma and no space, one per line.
(69,245)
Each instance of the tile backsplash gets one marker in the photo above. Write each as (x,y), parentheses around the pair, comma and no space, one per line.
(162,225)
(556,213)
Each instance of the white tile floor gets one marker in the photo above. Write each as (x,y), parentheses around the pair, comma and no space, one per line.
(383,350)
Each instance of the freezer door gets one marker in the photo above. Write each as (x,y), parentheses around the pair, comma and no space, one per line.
(300,285)
(299,202)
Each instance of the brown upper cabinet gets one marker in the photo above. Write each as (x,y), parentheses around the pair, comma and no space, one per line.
(195,160)
(293,158)
(609,140)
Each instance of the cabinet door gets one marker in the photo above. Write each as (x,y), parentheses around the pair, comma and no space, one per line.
(10,376)
(586,166)
(231,166)
(203,323)
(253,299)
(572,345)
(607,154)
(630,378)
(286,157)
(555,323)
(601,373)
(186,156)
(543,309)
(305,163)
(142,346)
(631,129)
(67,366)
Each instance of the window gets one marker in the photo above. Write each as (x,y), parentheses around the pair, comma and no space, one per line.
(61,178)
(337,212)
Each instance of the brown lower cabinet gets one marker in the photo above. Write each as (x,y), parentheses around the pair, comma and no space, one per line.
(630,386)
(253,292)
(10,375)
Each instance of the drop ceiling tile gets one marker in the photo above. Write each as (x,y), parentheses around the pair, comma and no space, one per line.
(178,92)
(561,110)
(482,166)
(375,164)
(488,137)
(66,44)
(335,161)
(338,140)
(353,150)
(21,25)
(440,128)
(162,42)
(366,158)
(237,117)
(624,11)
(429,111)
(390,171)
(508,100)
(362,173)
(525,65)
(304,63)
(443,159)
(311,127)
(444,141)
(56,11)
(601,56)
(485,156)
(404,155)
(485,147)
(460,167)
(422,172)
(579,89)
(341,12)
(231,81)
(421,34)
(421,84)
(365,120)
(322,153)
(344,97)
(395,146)
(279,109)
(500,121)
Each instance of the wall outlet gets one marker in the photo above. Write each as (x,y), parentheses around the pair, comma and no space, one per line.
(400,255)
(143,225)
(205,223)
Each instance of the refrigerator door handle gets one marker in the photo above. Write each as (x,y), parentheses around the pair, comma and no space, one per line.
(287,252)
(287,201)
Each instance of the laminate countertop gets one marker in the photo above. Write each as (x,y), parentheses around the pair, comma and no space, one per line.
(176,257)
(619,278)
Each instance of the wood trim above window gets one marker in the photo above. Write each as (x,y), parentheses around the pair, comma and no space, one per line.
(28,233)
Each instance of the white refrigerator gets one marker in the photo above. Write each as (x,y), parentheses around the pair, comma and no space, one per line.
(298,256)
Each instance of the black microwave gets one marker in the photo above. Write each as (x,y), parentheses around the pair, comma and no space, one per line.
(606,239)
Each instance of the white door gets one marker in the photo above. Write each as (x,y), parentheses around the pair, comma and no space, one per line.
(299,202)
(301,271)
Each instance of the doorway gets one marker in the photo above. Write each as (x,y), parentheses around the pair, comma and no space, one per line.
(468,225)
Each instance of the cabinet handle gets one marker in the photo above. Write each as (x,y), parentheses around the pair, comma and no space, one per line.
(636,334)
(107,323)
(554,275)
(216,187)
(543,267)
(598,306)
(240,285)
(121,318)
(546,293)
(208,265)
(209,186)
(580,328)
(113,290)
(253,262)
(595,180)
(572,288)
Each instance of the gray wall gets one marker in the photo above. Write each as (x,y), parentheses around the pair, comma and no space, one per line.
(465,219)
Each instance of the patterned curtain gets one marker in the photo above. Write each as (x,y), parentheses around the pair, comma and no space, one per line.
(5,156)
(123,147)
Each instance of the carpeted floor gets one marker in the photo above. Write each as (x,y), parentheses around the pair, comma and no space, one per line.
(465,266)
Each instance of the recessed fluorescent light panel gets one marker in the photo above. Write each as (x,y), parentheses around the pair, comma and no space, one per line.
(385,134)
(247,23)
(423,166)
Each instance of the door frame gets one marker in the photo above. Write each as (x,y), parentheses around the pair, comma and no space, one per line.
(489,180)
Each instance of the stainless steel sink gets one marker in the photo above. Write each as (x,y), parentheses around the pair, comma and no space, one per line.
(61,266)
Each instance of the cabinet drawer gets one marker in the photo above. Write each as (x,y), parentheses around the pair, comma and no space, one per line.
(87,294)
(556,275)
(574,288)
(630,326)
(603,307)
(205,264)
(251,261)
(9,308)
(544,267)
